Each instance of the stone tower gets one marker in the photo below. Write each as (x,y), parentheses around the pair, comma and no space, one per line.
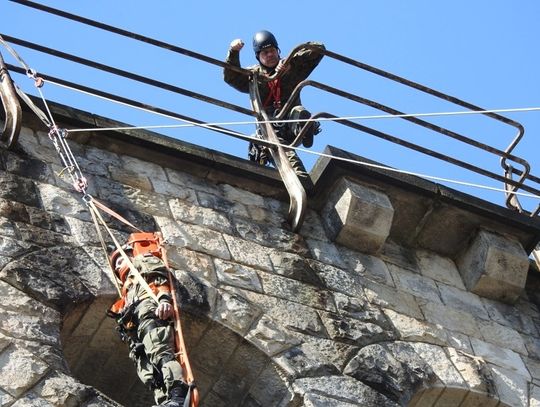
(395,292)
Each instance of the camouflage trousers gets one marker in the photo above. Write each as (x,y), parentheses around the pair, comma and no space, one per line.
(157,356)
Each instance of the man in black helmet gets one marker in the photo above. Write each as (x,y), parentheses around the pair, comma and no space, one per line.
(275,94)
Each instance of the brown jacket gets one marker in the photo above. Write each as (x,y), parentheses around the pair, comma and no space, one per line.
(302,64)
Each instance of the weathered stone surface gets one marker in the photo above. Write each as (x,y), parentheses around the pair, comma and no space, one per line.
(288,289)
(441,269)
(30,168)
(245,366)
(62,202)
(400,256)
(243,196)
(339,280)
(135,179)
(367,266)
(437,359)
(5,398)
(31,400)
(18,189)
(450,318)
(43,329)
(359,308)
(512,387)
(270,337)
(14,248)
(387,297)
(358,217)
(14,361)
(304,361)
(412,330)
(534,400)
(325,253)
(233,274)
(138,166)
(29,142)
(173,190)
(532,345)
(339,391)
(41,236)
(502,336)
(266,235)
(270,389)
(313,226)
(294,266)
(209,200)
(395,369)
(62,390)
(415,284)
(472,370)
(463,300)
(248,253)
(494,266)
(354,331)
(194,238)
(206,217)
(197,263)
(7,228)
(235,312)
(49,276)
(271,318)
(504,358)
(291,315)
(336,354)
(130,198)
(512,316)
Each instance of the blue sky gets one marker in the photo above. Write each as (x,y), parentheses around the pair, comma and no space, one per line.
(484,52)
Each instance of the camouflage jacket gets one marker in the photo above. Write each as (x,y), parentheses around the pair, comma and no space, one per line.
(302,64)
(154,271)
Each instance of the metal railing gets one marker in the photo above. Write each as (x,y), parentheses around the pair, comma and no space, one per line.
(511,164)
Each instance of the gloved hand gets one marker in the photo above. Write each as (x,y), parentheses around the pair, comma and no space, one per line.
(237,44)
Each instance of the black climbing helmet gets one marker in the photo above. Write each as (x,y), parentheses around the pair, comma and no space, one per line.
(263,39)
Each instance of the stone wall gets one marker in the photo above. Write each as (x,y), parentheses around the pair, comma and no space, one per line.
(395,292)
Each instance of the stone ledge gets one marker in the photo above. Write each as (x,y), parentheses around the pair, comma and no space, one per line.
(426,215)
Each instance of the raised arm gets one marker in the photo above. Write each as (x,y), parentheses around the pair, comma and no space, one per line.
(235,79)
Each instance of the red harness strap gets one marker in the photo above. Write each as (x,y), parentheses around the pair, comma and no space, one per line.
(274,96)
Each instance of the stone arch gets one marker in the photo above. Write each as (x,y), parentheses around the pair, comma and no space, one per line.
(73,351)
(424,375)
(228,369)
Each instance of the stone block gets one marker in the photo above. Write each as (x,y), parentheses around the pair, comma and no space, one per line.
(494,266)
(505,358)
(511,387)
(358,217)
(270,337)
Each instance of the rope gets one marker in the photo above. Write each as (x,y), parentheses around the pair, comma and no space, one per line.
(126,258)
(80,183)
(104,247)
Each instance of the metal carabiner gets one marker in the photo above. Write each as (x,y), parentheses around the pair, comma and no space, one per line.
(12,108)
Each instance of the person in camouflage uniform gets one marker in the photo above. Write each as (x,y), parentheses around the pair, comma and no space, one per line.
(275,94)
(147,326)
